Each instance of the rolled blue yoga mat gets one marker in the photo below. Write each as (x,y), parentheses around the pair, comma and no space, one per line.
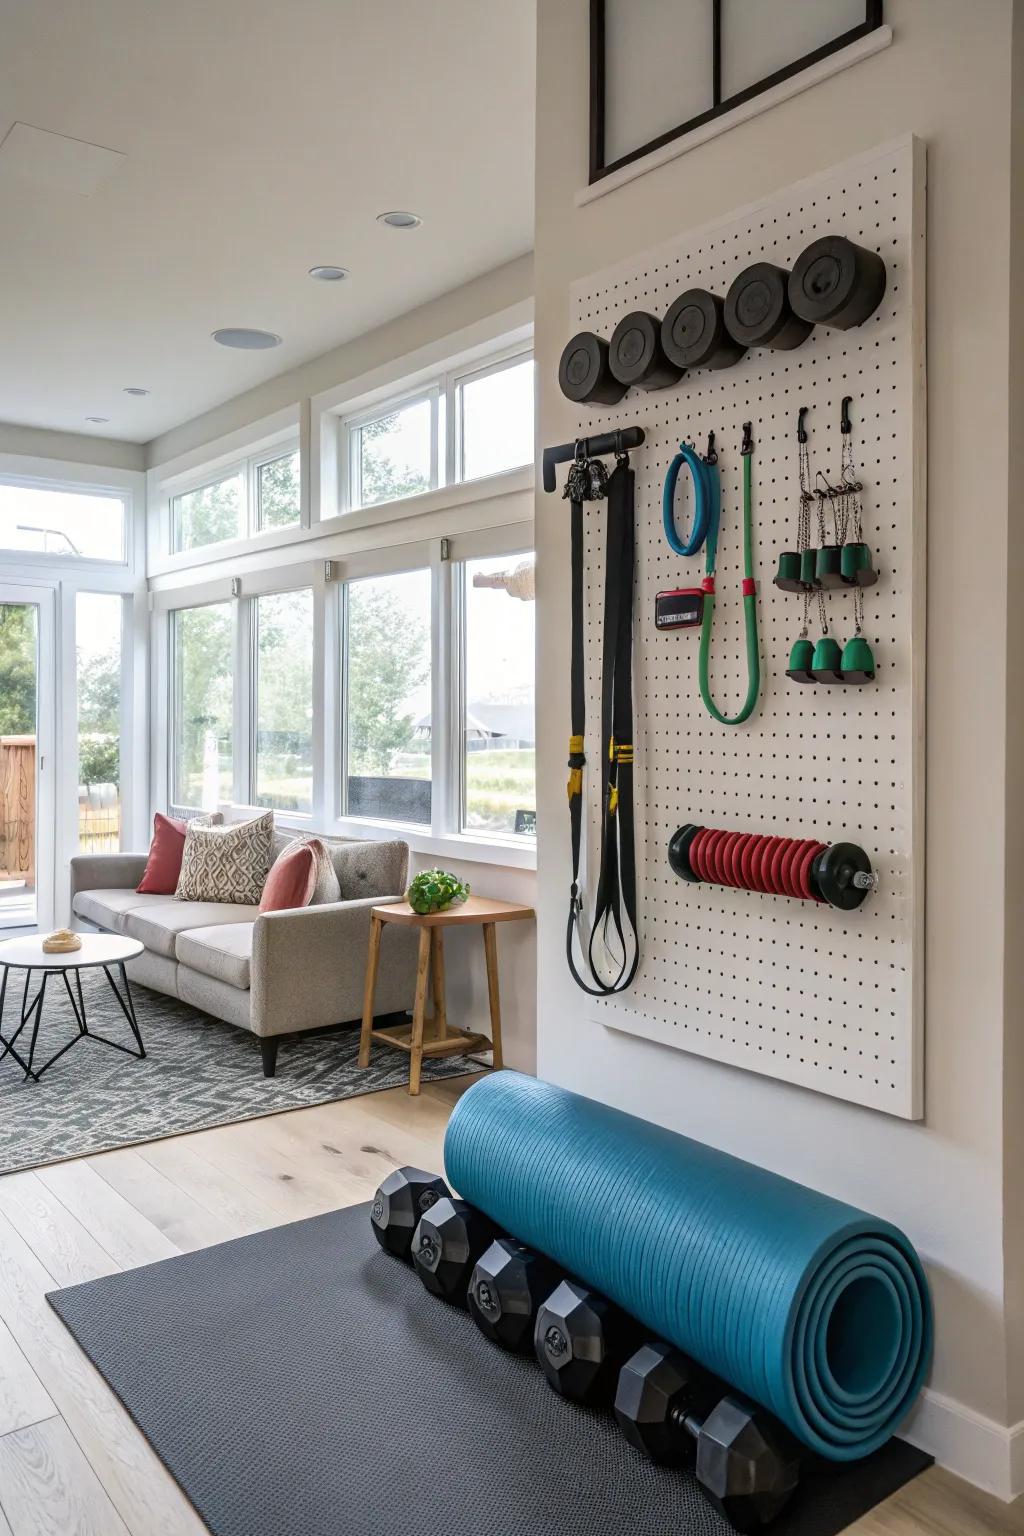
(816,1310)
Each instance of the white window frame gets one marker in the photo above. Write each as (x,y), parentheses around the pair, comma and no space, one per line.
(460,697)
(64,576)
(42,560)
(335,425)
(248,469)
(351,430)
(241,452)
(169,693)
(501,363)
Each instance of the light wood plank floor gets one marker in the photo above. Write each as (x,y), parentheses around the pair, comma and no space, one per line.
(71,1462)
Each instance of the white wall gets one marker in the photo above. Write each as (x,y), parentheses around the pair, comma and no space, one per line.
(498,291)
(946,78)
(73,447)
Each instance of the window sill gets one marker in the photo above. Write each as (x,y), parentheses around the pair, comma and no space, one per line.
(461,493)
(503,853)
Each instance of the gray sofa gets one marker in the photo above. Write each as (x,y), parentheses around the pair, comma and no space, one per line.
(273,973)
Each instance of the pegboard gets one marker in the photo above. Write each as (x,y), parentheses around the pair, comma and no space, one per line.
(791,989)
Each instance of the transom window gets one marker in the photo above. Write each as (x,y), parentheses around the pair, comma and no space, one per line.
(463,425)
(261,493)
(70,524)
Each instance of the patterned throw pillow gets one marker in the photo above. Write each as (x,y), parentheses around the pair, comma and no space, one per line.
(327,887)
(227,863)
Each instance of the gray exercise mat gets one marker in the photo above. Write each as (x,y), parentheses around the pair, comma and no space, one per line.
(301,1382)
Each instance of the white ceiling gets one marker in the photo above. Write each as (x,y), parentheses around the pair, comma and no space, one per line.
(261,137)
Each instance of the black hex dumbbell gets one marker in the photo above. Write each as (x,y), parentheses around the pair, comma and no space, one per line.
(581,1340)
(448,1240)
(743,1457)
(398,1205)
(507,1286)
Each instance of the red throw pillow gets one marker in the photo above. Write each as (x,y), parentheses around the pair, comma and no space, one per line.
(164,863)
(291,882)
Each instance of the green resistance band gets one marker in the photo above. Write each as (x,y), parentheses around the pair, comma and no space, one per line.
(749,607)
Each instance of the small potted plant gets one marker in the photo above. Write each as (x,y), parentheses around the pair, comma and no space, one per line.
(435,890)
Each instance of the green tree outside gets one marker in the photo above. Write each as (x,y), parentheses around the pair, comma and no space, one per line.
(17,669)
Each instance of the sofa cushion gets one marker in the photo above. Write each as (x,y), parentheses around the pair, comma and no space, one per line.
(158,926)
(109,908)
(371,869)
(222,951)
(163,864)
(292,880)
(228,864)
(325,880)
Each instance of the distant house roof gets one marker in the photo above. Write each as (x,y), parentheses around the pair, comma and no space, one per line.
(511,722)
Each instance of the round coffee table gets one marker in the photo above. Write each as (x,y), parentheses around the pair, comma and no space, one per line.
(105,950)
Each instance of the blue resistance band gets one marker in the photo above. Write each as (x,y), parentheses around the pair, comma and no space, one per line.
(706,503)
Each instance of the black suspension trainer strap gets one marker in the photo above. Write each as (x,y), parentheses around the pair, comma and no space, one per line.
(615,900)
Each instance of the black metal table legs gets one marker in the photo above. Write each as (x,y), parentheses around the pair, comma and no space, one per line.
(8,1045)
(32,1012)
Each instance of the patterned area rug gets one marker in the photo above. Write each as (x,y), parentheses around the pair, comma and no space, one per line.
(198,1072)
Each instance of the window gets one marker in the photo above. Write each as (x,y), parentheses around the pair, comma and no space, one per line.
(498,733)
(261,494)
(278,493)
(202,694)
(283,701)
(462,426)
(387,698)
(210,514)
(46,520)
(496,419)
(659,74)
(99,621)
(393,455)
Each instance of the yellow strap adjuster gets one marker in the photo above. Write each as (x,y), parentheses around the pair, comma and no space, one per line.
(623,752)
(613,799)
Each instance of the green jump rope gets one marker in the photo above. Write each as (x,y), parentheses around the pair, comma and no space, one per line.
(707,494)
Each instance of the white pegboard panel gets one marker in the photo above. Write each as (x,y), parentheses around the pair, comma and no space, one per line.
(788,988)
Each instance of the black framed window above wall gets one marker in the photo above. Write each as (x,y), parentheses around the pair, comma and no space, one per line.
(660,68)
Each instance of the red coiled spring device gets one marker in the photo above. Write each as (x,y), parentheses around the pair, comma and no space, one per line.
(837,873)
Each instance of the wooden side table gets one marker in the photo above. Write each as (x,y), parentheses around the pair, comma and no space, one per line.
(443,1039)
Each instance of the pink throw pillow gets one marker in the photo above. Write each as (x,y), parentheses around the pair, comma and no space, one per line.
(291,882)
(163,866)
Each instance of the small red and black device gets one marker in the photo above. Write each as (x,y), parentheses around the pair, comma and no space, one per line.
(682,608)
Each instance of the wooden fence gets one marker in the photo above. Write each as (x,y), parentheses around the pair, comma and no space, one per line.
(17,806)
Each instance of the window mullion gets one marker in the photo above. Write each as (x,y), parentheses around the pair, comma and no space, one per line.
(442,807)
(243,699)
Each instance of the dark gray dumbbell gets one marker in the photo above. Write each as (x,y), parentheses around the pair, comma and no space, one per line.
(398,1205)
(506,1288)
(581,1340)
(448,1240)
(743,1457)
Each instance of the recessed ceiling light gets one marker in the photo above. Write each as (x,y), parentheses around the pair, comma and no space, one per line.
(329,274)
(134,389)
(400,220)
(246,340)
(98,421)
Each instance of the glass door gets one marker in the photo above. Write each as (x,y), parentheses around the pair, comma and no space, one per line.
(26,756)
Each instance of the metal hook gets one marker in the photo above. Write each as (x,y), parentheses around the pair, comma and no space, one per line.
(801,430)
(711,457)
(747,446)
(845,424)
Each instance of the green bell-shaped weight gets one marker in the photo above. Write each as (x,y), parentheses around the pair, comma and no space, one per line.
(855,566)
(828,566)
(858,664)
(787,577)
(801,660)
(827,661)
(808,566)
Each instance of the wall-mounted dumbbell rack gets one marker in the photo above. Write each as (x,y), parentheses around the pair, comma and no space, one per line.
(795,990)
